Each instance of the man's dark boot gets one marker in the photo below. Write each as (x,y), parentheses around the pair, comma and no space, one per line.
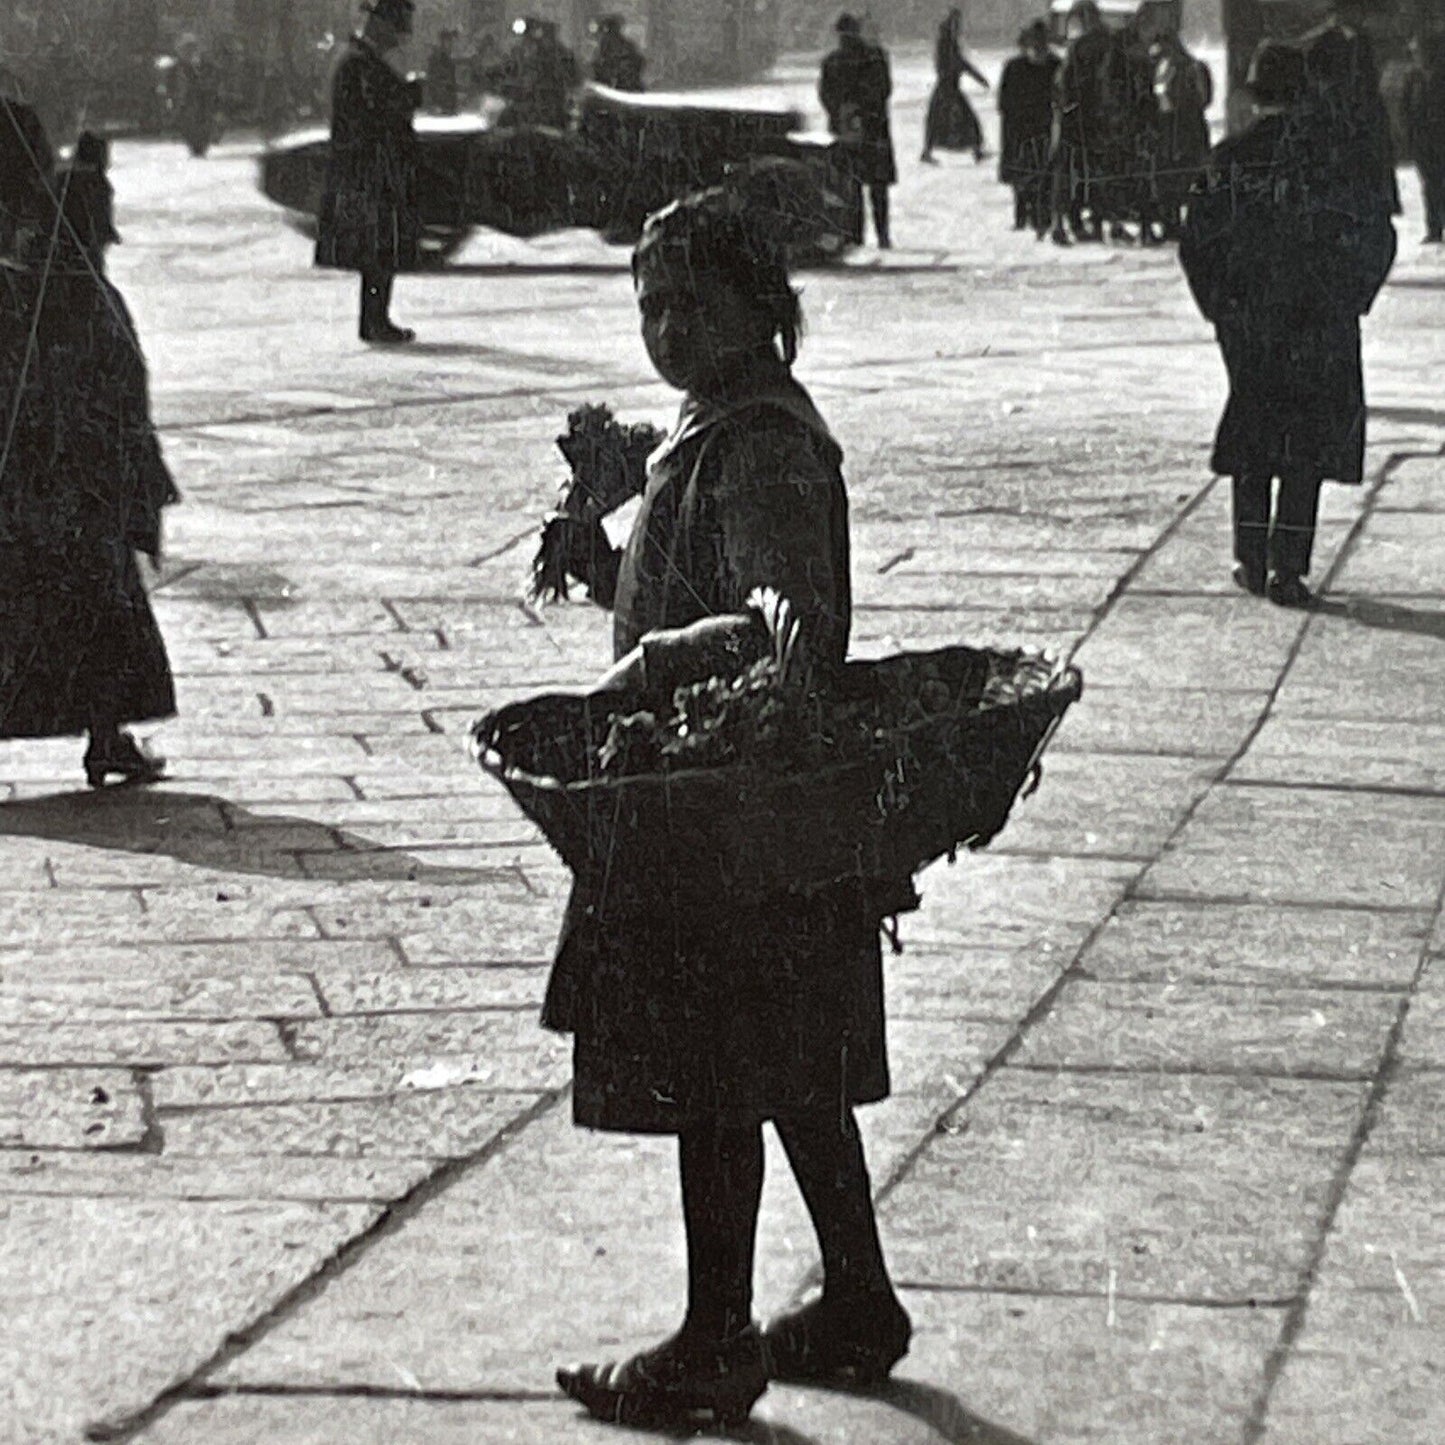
(376,323)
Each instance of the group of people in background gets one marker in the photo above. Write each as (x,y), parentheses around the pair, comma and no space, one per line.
(1110,134)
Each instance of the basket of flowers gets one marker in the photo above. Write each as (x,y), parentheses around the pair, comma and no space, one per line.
(770,781)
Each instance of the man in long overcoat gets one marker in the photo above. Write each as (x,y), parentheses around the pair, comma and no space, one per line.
(369,220)
(1285,248)
(855,88)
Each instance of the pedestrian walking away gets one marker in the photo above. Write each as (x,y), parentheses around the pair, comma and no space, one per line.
(369,220)
(1026,111)
(1425,127)
(1286,244)
(855,88)
(82,488)
(707,1026)
(951,124)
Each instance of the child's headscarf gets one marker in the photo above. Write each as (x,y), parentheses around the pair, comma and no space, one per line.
(728,233)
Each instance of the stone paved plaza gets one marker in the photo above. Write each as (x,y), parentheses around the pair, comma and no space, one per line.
(284,1156)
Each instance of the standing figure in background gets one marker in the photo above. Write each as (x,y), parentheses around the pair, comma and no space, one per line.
(27,168)
(1344,90)
(537,77)
(1083,127)
(1425,124)
(1286,246)
(88,198)
(1026,114)
(855,88)
(951,124)
(1183,92)
(369,220)
(618,62)
(197,99)
(82,488)
(443,82)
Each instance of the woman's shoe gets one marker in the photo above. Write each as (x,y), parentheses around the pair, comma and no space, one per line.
(123,758)
(675,1382)
(833,1344)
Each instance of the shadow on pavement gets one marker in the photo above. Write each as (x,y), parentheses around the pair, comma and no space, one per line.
(1409,415)
(944,1413)
(210,832)
(1387,616)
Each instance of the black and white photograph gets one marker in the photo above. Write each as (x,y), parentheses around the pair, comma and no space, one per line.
(722,720)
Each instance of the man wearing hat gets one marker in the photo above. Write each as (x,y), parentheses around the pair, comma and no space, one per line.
(618,62)
(854,88)
(369,220)
(1285,246)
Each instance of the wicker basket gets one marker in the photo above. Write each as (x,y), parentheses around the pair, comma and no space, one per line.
(959,734)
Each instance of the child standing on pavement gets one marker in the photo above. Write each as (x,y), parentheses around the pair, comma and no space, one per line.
(707,1027)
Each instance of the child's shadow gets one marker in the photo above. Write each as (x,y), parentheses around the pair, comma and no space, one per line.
(950,1420)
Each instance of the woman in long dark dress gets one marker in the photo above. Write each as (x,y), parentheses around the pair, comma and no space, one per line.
(707,1026)
(1287,242)
(951,124)
(82,488)
(369,221)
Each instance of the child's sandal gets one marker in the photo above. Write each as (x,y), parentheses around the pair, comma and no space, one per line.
(830,1344)
(674,1382)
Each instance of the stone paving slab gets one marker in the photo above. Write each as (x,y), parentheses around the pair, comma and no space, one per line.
(1289,845)
(1192,1188)
(1417,485)
(286,1178)
(438,1124)
(1175,722)
(1403,554)
(979,985)
(1402,683)
(71,1109)
(1258,944)
(1214,1028)
(1150,642)
(1103,805)
(1423,1042)
(1347,753)
(1369,1358)
(103,1311)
